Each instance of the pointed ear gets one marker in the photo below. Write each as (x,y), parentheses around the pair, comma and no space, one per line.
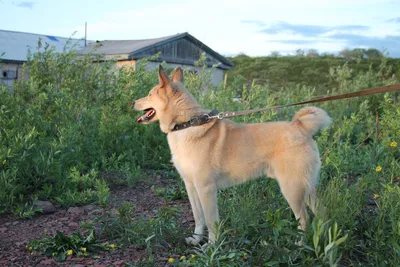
(162,77)
(178,75)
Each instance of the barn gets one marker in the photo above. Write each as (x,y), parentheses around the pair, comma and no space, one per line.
(14,47)
(177,50)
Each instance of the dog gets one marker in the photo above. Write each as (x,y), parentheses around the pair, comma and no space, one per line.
(221,153)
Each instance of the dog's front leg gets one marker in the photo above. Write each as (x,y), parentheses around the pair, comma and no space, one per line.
(197,214)
(209,202)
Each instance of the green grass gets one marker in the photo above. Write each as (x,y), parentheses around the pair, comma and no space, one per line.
(70,125)
(290,71)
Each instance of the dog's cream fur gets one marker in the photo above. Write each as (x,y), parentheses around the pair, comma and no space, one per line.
(223,153)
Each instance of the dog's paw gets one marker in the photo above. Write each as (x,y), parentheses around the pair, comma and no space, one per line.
(193,240)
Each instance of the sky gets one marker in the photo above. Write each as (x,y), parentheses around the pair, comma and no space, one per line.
(230,27)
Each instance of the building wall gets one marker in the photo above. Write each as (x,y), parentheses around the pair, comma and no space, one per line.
(5,69)
(129,63)
(217,74)
(183,49)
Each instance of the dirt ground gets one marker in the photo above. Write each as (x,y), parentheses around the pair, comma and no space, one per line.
(16,232)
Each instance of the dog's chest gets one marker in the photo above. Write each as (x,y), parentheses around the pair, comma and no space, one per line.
(185,155)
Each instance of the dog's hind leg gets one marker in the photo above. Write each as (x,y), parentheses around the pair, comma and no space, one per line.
(294,193)
(197,214)
(311,200)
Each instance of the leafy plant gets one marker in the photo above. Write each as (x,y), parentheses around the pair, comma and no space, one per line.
(60,245)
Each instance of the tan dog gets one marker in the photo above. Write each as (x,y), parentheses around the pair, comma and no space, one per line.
(222,153)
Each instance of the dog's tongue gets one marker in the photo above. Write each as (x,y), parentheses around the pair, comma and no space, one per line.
(148,113)
(140,119)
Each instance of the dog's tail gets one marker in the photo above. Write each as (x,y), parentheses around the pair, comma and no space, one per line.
(312,119)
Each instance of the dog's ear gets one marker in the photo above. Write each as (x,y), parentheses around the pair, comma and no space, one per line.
(178,75)
(162,77)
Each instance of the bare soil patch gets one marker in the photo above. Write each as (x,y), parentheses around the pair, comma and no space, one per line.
(16,232)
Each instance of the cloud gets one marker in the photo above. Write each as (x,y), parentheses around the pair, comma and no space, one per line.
(308,30)
(390,42)
(25,4)
(302,29)
(393,20)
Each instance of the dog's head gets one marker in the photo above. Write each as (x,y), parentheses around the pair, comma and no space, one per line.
(167,102)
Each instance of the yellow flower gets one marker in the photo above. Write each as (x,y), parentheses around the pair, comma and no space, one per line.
(193,256)
(378,169)
(182,258)
(4,161)
(30,248)
(393,144)
(245,255)
(45,231)
(83,249)
(375,196)
(70,252)
(170,260)
(112,246)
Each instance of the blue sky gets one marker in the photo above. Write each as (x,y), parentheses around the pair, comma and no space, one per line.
(230,27)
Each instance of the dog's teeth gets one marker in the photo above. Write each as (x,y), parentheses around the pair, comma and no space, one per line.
(150,113)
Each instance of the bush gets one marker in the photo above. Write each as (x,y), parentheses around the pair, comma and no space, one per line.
(68,124)
(71,123)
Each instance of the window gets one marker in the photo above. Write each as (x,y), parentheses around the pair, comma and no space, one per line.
(9,74)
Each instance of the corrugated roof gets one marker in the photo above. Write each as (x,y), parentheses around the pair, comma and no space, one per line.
(118,47)
(128,49)
(15,45)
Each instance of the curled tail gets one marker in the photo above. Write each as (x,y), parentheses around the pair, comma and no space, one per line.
(312,119)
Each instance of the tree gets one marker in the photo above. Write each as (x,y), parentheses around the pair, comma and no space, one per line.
(358,52)
(346,53)
(373,53)
(300,53)
(274,54)
(312,53)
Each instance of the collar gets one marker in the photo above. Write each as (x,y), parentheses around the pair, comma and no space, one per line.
(195,121)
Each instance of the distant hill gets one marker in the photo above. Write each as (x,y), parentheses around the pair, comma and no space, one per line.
(279,72)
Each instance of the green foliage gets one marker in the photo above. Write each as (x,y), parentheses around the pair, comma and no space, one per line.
(60,245)
(122,225)
(70,123)
(69,128)
(326,249)
(172,192)
(285,73)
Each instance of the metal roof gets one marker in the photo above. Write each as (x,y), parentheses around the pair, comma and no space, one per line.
(121,47)
(15,45)
(129,49)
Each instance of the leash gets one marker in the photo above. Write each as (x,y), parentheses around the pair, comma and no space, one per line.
(214,114)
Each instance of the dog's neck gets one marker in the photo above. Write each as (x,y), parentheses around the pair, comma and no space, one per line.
(186,108)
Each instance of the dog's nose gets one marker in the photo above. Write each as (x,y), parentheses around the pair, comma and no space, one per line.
(133,102)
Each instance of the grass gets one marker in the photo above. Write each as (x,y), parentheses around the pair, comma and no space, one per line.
(69,127)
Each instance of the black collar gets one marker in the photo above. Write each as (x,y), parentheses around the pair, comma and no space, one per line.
(195,121)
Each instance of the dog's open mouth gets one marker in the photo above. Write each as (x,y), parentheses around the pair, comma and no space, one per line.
(148,115)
